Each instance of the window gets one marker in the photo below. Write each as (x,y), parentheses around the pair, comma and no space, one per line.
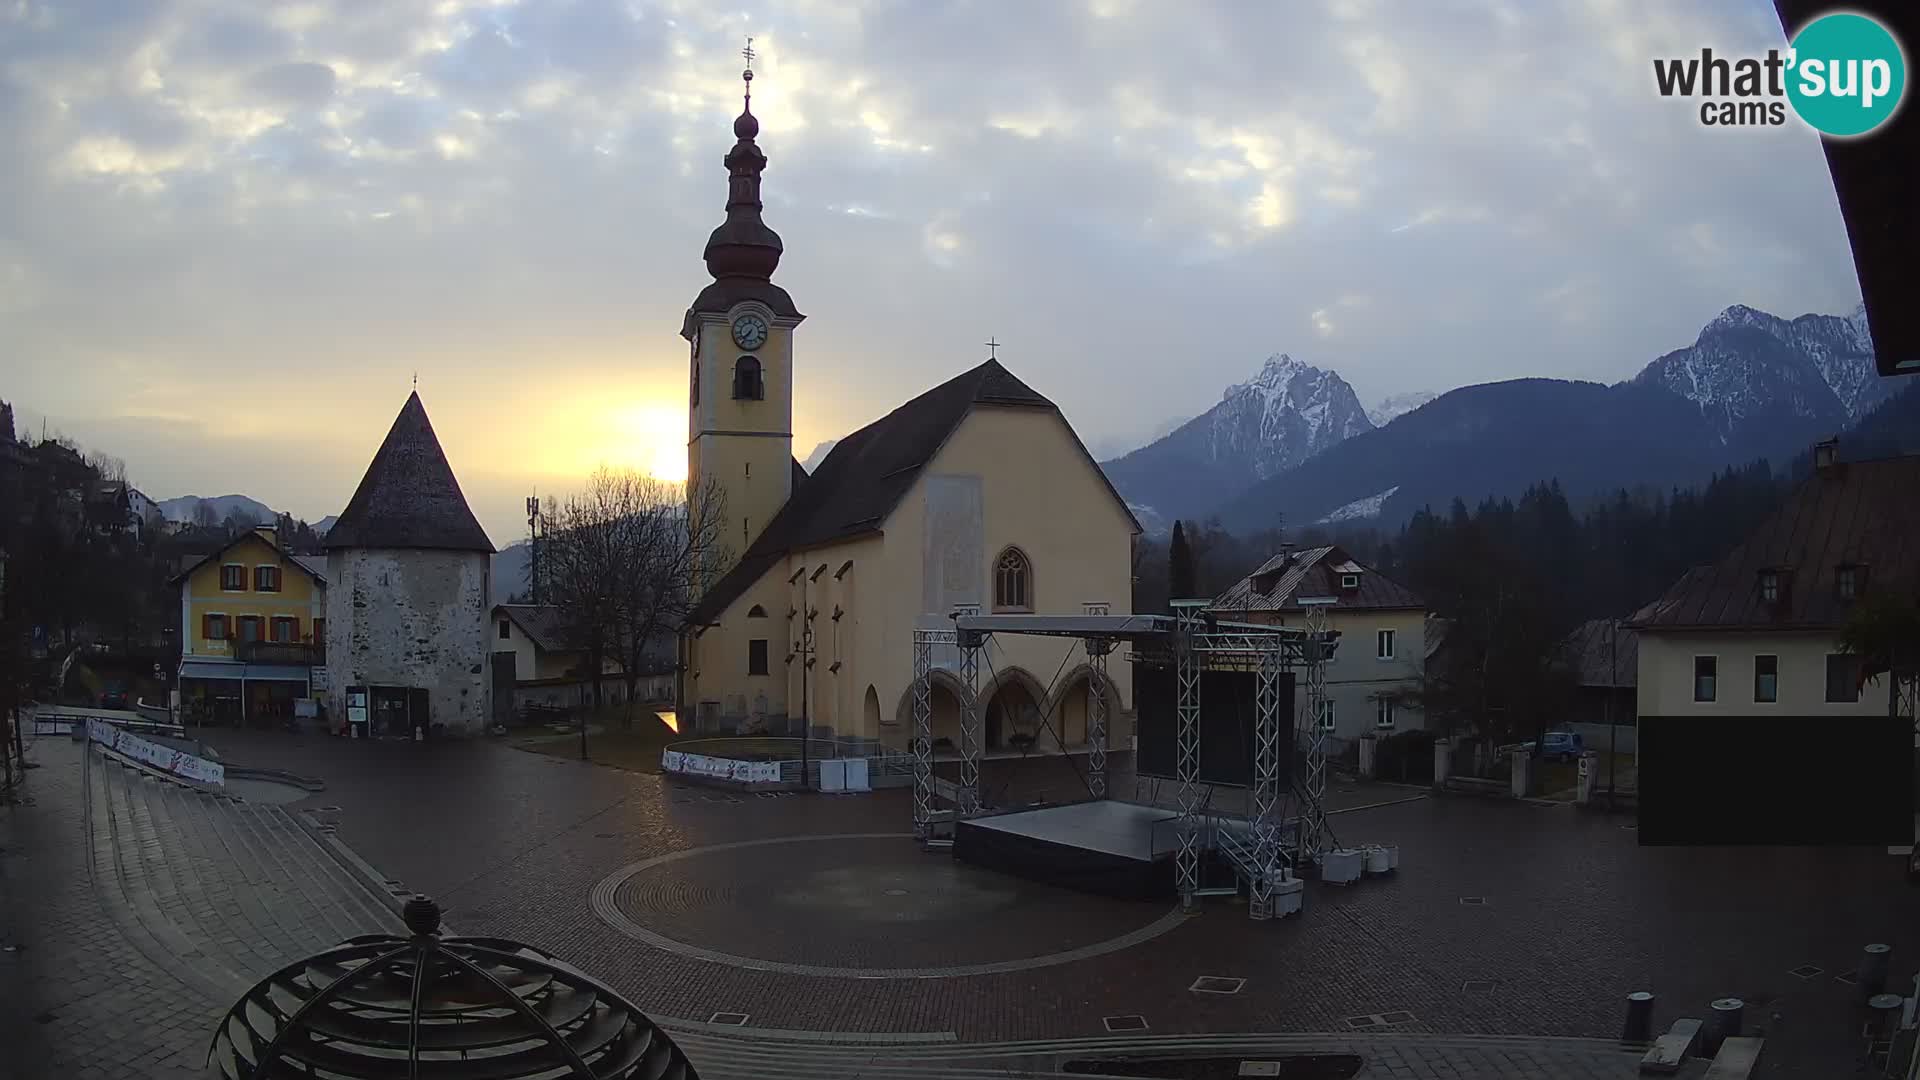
(285,629)
(1012,581)
(320,631)
(1706,671)
(249,628)
(1384,644)
(266,579)
(1326,715)
(757,656)
(1349,581)
(747,385)
(233,577)
(1849,581)
(1093,609)
(1843,679)
(506,629)
(1766,678)
(756,612)
(1383,713)
(1769,586)
(213,627)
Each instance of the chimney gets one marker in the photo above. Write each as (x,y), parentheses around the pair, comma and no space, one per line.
(1824,454)
(267,533)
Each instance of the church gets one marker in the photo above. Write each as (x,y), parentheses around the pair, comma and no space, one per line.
(976,496)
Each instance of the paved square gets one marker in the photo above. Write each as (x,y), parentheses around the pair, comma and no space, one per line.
(1533,984)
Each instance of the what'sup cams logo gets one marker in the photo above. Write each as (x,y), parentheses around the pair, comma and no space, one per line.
(1843,74)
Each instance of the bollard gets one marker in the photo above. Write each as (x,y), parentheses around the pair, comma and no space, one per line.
(1873,970)
(1884,1010)
(1639,1028)
(1723,1022)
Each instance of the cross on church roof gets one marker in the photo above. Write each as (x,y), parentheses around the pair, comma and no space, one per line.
(993,349)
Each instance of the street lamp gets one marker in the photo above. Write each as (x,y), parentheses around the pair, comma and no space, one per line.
(803,650)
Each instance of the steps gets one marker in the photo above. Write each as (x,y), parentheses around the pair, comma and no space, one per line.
(217,890)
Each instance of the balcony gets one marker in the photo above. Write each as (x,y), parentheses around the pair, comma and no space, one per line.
(303,654)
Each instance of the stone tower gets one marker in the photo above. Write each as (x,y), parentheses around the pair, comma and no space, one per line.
(740,329)
(408,593)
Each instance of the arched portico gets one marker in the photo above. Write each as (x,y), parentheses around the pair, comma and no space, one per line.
(1071,706)
(1012,706)
(944,694)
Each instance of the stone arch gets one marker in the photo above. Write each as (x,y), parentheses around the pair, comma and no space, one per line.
(946,693)
(1012,703)
(1069,706)
(870,713)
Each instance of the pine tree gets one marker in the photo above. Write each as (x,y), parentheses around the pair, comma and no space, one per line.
(1180,577)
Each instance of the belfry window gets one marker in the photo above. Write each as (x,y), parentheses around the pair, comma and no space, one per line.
(747,384)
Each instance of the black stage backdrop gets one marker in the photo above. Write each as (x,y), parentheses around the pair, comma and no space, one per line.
(1226,724)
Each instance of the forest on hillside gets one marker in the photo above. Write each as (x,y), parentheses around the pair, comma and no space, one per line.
(1516,576)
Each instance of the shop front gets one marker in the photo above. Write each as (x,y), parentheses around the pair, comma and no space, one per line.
(233,694)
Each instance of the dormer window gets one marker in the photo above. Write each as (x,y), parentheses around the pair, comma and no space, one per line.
(1349,581)
(1849,581)
(747,384)
(1769,586)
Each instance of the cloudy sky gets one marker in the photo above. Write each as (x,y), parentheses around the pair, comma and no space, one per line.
(234,230)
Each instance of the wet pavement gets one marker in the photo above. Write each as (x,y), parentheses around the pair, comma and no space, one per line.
(1511,928)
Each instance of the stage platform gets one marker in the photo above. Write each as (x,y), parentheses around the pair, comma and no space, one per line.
(1106,847)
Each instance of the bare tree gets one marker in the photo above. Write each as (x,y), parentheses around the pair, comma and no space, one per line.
(677,535)
(619,559)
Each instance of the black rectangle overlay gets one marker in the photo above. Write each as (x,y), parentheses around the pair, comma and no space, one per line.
(1227,714)
(1784,780)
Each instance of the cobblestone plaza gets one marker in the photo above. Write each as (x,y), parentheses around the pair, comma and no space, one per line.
(808,935)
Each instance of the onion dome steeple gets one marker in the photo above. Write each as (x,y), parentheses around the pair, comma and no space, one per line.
(743,246)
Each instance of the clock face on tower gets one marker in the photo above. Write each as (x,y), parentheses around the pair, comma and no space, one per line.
(749,331)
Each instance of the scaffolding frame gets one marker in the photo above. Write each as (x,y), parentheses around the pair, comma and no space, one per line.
(1194,641)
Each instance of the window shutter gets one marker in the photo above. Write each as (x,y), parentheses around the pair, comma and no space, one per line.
(206,626)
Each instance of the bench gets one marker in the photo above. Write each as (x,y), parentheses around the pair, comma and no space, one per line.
(1736,1059)
(1670,1051)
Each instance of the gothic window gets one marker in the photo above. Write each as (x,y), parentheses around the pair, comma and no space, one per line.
(1012,581)
(747,385)
(756,612)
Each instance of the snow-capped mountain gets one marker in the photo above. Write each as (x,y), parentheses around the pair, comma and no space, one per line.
(1398,405)
(1750,368)
(1284,415)
(1751,386)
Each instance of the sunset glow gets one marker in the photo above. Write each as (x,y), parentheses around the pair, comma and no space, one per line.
(583,434)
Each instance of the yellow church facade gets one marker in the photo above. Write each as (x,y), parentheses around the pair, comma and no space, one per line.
(976,496)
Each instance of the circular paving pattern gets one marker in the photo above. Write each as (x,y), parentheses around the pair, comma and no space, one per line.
(864,905)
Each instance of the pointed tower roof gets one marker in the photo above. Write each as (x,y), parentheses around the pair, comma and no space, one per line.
(409,498)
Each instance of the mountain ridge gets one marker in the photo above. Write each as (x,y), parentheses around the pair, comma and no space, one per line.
(1288,412)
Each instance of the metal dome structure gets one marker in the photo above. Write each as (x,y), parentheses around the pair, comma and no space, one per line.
(383,1007)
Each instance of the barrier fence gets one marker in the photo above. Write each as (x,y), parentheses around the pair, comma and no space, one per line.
(165,758)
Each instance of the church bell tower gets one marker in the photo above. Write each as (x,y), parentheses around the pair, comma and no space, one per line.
(740,330)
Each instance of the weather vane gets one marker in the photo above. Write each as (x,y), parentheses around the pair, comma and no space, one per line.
(993,349)
(416,380)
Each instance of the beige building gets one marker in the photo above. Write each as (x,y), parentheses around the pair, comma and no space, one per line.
(1382,626)
(975,496)
(1757,633)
